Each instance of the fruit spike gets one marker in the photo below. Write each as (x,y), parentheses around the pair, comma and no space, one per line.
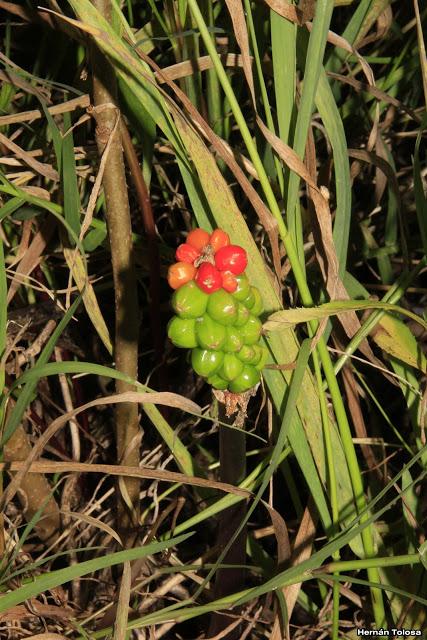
(217,311)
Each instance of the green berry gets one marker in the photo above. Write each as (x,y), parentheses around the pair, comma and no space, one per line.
(205,362)
(247,379)
(189,301)
(258,307)
(231,367)
(242,315)
(249,301)
(251,331)
(182,332)
(263,360)
(217,382)
(210,334)
(243,288)
(221,307)
(233,341)
(258,353)
(247,354)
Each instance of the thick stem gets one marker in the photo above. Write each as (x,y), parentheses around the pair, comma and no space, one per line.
(107,118)
(232,456)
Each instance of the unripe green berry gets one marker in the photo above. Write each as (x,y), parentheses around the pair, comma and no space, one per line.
(242,315)
(221,307)
(263,360)
(247,354)
(231,367)
(210,334)
(257,307)
(233,341)
(249,301)
(243,288)
(205,362)
(189,301)
(182,332)
(217,382)
(251,331)
(247,379)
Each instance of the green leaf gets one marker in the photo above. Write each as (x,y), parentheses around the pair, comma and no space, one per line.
(69,179)
(285,319)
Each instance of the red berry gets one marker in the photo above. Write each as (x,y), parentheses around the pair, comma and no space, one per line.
(219,239)
(198,238)
(187,253)
(232,258)
(208,278)
(229,282)
(180,273)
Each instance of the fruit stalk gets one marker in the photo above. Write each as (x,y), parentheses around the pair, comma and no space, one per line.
(232,457)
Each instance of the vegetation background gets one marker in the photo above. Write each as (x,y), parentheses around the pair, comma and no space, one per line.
(131,506)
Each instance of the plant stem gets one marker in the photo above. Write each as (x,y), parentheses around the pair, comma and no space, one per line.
(125,285)
(232,457)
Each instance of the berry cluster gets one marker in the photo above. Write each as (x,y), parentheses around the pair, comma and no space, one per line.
(217,311)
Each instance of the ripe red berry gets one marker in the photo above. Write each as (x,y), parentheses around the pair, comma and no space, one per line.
(229,282)
(219,239)
(232,258)
(180,273)
(208,278)
(187,253)
(198,238)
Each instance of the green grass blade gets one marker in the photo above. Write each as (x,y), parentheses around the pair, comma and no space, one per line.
(61,576)
(313,66)
(26,393)
(69,179)
(335,130)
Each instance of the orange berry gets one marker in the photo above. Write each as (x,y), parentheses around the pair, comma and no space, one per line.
(180,273)
(198,238)
(219,239)
(229,282)
(186,253)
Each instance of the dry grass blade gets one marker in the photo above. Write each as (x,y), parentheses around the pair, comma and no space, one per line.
(165,398)
(93,522)
(32,256)
(422,48)
(294,14)
(302,551)
(43,169)
(237,14)
(82,102)
(43,466)
(47,636)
